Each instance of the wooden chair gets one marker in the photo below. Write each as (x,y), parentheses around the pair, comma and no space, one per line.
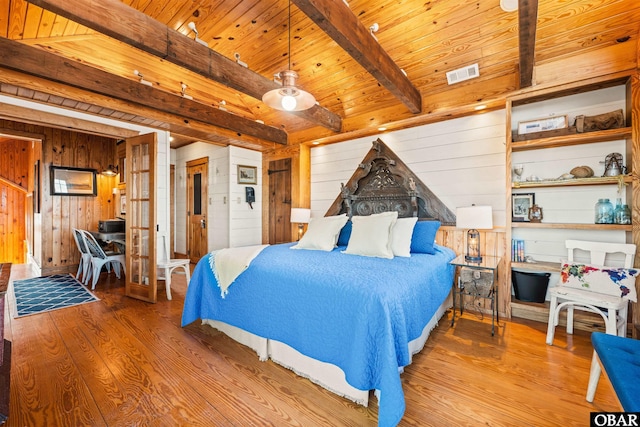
(167,266)
(607,303)
(84,266)
(100,258)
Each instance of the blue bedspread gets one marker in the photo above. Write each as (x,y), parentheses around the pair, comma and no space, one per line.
(358,313)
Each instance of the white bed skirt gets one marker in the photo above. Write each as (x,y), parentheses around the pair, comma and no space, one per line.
(324,374)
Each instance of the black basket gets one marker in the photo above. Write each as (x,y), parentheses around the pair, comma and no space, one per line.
(530,287)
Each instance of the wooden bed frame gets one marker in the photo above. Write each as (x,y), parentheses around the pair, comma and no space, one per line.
(384,183)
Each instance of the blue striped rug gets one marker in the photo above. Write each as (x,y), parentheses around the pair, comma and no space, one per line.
(48,293)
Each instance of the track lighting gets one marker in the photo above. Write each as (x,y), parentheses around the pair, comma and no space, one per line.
(374,29)
(141,77)
(192,27)
(184,91)
(237,56)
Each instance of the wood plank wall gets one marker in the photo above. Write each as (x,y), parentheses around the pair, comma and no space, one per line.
(493,244)
(60,214)
(15,192)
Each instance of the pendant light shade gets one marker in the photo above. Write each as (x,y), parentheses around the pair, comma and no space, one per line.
(288,97)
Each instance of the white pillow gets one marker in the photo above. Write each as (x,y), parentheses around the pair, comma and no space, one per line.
(401,236)
(371,235)
(322,233)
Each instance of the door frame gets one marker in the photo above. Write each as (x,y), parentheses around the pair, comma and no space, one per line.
(300,155)
(145,288)
(205,185)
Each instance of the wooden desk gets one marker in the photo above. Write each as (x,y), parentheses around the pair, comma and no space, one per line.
(118,239)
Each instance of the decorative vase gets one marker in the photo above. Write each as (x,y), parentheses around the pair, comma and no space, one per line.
(604,212)
(535,213)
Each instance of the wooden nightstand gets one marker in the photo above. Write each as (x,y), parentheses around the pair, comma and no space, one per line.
(488,263)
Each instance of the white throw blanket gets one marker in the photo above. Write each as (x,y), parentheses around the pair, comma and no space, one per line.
(227,264)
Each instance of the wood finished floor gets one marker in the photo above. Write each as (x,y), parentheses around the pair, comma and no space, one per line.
(122,362)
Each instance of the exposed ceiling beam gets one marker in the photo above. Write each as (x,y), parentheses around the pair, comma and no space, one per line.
(37,62)
(339,22)
(527,22)
(28,115)
(33,88)
(119,21)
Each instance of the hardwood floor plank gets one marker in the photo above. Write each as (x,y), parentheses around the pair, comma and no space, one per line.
(120,361)
(45,383)
(149,386)
(234,368)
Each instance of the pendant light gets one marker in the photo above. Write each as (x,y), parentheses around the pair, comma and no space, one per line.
(288,97)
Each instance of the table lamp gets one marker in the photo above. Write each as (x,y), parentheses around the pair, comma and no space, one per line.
(300,216)
(473,218)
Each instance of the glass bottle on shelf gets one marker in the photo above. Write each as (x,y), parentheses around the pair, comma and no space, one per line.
(604,212)
(617,211)
(623,214)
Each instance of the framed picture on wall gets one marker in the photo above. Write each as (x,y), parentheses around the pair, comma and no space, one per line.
(247,174)
(123,203)
(68,181)
(520,204)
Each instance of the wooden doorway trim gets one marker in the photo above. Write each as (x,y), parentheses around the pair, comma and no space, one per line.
(172,210)
(280,201)
(141,218)
(300,181)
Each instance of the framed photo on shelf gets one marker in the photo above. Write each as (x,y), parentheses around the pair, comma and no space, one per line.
(520,204)
(247,174)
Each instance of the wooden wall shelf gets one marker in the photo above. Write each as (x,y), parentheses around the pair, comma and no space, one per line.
(596,180)
(539,266)
(572,139)
(571,226)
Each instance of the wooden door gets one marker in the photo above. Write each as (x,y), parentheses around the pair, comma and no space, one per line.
(141,218)
(279,201)
(197,196)
(172,209)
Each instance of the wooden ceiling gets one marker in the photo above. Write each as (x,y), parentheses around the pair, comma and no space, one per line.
(81,54)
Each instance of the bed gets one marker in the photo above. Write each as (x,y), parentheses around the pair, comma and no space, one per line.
(292,305)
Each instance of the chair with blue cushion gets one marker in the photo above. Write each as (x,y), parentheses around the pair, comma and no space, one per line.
(599,294)
(620,359)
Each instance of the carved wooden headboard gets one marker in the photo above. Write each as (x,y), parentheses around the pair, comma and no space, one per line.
(384,183)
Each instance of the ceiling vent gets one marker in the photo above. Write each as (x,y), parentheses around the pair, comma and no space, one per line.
(462,74)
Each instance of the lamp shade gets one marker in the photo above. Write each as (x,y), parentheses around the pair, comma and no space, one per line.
(474,217)
(111,170)
(300,215)
(289,97)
